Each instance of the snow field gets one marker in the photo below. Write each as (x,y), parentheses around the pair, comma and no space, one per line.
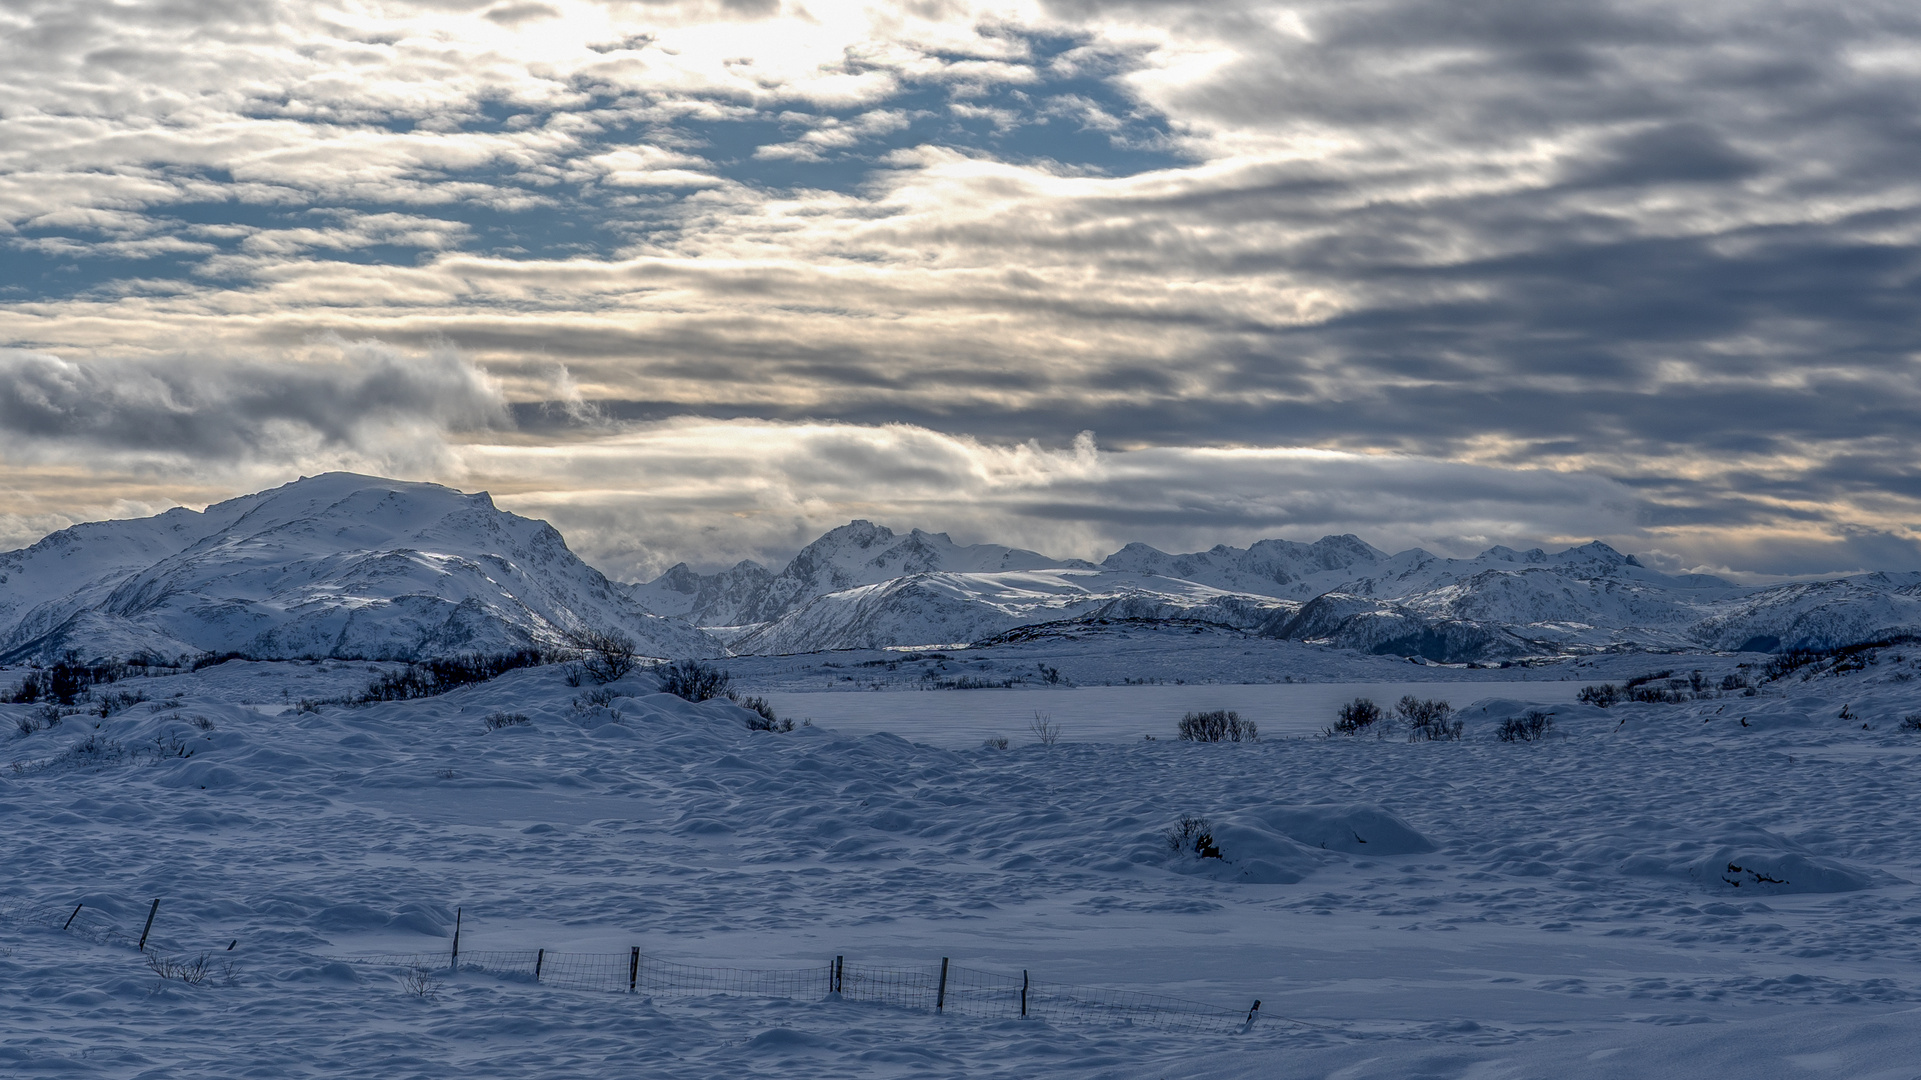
(1433,909)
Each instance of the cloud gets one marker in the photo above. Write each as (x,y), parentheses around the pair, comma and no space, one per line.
(712,492)
(1670,249)
(348,402)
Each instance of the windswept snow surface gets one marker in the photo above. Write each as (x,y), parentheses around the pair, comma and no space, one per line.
(336,565)
(1723,887)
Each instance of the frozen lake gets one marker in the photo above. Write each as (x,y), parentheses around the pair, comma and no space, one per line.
(963,718)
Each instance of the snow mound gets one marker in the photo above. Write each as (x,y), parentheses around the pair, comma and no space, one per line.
(1754,862)
(1352,828)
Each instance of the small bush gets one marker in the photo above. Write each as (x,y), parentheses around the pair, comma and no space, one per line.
(1911,722)
(1428,721)
(763,718)
(1045,729)
(1217,726)
(421,983)
(192,972)
(431,678)
(1193,836)
(998,742)
(1355,717)
(1535,725)
(497,720)
(28,691)
(1600,696)
(605,655)
(693,680)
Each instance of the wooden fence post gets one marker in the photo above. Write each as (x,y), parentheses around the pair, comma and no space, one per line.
(539,958)
(1250,1014)
(69,922)
(940,996)
(835,983)
(1023,993)
(455,962)
(144,931)
(633,971)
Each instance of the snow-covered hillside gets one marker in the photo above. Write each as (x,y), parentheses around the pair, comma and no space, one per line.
(335,565)
(1722,886)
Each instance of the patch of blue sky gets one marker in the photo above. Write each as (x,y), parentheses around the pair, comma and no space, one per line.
(1071,115)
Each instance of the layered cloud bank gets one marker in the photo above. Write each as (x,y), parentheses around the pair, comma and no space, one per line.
(1512,273)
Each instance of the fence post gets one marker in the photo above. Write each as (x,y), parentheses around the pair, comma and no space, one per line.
(69,922)
(1250,1015)
(837,974)
(1023,993)
(455,961)
(940,996)
(145,930)
(633,971)
(539,958)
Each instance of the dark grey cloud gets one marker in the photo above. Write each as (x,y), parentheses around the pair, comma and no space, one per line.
(360,398)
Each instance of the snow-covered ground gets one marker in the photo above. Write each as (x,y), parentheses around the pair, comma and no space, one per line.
(1566,907)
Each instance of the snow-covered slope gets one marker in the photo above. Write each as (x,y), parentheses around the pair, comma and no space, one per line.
(858,553)
(335,565)
(939,608)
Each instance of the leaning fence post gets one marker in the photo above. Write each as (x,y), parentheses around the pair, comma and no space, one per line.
(144,931)
(940,996)
(834,983)
(455,962)
(633,971)
(69,922)
(539,958)
(1250,1014)
(1023,993)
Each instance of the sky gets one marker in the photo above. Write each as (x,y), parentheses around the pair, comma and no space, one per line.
(696,281)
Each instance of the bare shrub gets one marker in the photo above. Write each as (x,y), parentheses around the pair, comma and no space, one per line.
(497,720)
(1534,725)
(1601,696)
(763,718)
(998,742)
(1428,721)
(1044,729)
(1192,836)
(433,677)
(421,983)
(1217,726)
(193,971)
(1357,717)
(605,655)
(693,680)
(1911,722)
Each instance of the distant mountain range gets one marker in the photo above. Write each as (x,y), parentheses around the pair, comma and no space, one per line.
(864,586)
(354,566)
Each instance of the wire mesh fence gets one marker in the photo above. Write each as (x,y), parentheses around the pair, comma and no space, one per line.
(78,920)
(946,989)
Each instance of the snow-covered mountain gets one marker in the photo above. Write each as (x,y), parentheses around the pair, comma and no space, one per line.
(938,608)
(855,554)
(335,565)
(1338,591)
